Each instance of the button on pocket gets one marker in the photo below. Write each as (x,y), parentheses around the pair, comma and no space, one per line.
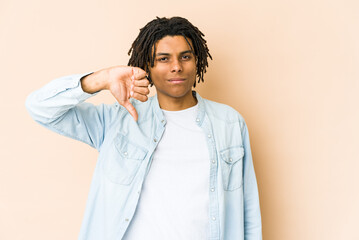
(121,166)
(232,166)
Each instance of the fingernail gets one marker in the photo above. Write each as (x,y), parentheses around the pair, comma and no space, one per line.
(131,93)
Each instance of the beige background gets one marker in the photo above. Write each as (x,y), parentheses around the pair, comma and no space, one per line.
(289,67)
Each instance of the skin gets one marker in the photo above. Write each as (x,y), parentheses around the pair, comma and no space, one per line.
(122,81)
(173,75)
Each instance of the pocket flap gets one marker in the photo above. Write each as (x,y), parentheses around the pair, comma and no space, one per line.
(232,154)
(128,149)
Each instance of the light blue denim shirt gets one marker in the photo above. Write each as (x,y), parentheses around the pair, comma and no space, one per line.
(126,149)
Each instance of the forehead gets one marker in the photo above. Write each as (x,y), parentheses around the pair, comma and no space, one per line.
(173,44)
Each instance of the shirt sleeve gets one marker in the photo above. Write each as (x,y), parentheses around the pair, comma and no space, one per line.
(252,214)
(60,107)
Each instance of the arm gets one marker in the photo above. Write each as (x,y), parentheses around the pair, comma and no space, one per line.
(252,214)
(60,106)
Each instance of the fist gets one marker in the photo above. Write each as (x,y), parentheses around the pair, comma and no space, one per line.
(125,82)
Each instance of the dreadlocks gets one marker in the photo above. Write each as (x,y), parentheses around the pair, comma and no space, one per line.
(157,29)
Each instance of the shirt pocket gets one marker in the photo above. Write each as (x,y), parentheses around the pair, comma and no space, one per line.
(121,166)
(232,166)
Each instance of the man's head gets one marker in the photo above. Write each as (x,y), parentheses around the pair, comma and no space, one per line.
(143,49)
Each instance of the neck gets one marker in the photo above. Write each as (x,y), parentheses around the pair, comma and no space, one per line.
(176,104)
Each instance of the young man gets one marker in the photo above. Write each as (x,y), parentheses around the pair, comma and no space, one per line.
(173,166)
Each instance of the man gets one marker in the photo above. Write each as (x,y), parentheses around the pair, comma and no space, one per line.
(174,166)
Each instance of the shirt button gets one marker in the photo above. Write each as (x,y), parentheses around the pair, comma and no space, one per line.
(209,136)
(125,153)
(197,119)
(212,189)
(230,159)
(213,161)
(162,121)
(214,218)
(155,140)
(126,219)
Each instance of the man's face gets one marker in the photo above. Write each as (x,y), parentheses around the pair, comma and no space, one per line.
(174,70)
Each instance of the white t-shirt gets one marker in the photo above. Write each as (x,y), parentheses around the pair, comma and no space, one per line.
(175,195)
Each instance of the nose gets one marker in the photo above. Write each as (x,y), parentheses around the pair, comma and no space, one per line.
(176,66)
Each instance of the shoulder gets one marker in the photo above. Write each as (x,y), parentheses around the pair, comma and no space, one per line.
(143,109)
(142,106)
(222,111)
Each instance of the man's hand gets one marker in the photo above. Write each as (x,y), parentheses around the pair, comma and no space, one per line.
(123,82)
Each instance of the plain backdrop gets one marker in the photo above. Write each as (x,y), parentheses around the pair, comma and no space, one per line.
(291,68)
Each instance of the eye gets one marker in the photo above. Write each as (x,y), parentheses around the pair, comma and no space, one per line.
(186,57)
(162,59)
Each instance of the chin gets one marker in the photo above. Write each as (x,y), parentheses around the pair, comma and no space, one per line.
(177,94)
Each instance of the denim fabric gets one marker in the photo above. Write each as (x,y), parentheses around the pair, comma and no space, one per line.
(125,153)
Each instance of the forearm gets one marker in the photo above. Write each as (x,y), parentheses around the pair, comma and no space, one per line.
(95,82)
(55,98)
(59,107)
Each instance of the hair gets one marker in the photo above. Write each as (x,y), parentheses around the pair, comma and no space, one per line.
(141,49)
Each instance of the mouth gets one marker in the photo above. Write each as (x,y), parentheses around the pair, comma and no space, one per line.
(176,80)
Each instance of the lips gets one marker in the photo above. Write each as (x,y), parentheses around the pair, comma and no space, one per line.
(176,80)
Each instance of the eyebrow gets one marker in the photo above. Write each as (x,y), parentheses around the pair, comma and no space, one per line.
(167,54)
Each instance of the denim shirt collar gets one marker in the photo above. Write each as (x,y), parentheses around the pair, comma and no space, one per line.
(161,118)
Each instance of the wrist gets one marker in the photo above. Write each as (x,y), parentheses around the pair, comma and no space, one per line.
(94,82)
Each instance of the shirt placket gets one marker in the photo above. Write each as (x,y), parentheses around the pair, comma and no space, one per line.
(214,231)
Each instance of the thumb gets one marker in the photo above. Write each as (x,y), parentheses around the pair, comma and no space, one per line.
(131,109)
